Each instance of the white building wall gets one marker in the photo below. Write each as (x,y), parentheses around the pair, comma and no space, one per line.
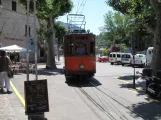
(12,25)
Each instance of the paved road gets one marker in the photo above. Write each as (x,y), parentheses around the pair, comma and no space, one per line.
(112,99)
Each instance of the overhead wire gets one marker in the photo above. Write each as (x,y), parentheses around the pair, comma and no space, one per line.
(83,2)
(83,5)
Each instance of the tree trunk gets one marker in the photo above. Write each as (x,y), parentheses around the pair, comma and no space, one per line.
(51,53)
(156,60)
(58,52)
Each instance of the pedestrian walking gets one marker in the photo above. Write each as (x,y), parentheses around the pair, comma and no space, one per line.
(5,66)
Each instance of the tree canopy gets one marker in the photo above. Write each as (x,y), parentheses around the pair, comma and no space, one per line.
(141,10)
(147,13)
(49,10)
(117,29)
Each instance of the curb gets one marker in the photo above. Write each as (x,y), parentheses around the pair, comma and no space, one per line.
(137,90)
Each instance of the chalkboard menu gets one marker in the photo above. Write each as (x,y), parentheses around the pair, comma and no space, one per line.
(36,96)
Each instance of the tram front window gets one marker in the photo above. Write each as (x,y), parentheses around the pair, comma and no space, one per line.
(81,49)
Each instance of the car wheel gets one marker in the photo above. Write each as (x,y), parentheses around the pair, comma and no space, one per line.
(122,64)
(111,63)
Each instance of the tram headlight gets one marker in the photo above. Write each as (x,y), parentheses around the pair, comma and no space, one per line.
(81,66)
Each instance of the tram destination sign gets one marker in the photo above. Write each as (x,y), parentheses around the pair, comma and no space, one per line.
(36,96)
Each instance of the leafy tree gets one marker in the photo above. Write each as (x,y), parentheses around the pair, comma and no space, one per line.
(48,11)
(148,13)
(116,29)
(123,47)
(105,52)
(60,32)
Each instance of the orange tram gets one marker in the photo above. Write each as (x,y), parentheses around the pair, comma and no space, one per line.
(79,53)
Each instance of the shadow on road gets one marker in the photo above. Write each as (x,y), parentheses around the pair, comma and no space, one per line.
(128,77)
(82,82)
(139,89)
(149,111)
(49,72)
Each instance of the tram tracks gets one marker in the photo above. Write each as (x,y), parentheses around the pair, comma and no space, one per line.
(107,103)
(111,117)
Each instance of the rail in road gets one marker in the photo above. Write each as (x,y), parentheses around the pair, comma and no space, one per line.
(107,101)
(109,104)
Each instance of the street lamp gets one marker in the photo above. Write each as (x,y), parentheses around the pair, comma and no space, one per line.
(36,74)
(27,39)
(133,40)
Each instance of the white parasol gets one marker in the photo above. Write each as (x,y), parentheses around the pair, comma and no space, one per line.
(14,48)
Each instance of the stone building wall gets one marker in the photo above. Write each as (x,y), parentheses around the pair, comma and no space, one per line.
(12,26)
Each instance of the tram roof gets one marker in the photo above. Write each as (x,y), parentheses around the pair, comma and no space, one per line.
(79,32)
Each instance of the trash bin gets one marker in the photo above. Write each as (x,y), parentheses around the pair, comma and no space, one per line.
(147,72)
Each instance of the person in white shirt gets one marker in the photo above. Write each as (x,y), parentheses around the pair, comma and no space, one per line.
(5,65)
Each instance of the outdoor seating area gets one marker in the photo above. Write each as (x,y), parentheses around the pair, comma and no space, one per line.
(18,65)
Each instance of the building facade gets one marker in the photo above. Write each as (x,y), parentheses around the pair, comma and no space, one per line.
(13,26)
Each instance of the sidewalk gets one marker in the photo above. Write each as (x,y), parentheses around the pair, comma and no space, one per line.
(10,106)
(6,110)
(140,83)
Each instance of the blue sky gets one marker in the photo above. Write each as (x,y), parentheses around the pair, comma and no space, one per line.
(94,11)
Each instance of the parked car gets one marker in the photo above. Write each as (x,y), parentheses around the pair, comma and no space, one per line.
(103,59)
(140,60)
(126,59)
(115,57)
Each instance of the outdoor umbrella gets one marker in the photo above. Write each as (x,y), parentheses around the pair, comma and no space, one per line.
(14,48)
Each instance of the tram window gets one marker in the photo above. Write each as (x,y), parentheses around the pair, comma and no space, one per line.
(69,38)
(70,48)
(92,48)
(81,49)
(80,38)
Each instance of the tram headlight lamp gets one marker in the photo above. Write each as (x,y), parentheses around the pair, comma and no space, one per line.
(81,66)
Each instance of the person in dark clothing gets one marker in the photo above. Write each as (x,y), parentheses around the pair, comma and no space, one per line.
(5,65)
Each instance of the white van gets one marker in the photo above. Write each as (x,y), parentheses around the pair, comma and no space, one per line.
(149,55)
(115,57)
(126,59)
(140,60)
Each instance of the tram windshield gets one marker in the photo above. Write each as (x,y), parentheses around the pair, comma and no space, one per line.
(81,49)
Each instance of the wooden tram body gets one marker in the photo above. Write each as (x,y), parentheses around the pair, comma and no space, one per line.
(76,64)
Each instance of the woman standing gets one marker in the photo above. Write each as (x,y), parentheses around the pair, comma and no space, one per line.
(5,65)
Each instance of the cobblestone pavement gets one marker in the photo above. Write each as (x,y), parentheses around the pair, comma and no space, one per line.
(6,109)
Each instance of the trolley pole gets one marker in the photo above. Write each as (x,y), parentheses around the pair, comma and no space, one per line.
(27,41)
(35,116)
(35,38)
(134,73)
(133,52)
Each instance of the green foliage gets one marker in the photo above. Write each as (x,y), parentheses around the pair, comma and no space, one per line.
(123,47)
(117,29)
(141,10)
(60,30)
(119,25)
(43,34)
(45,8)
(105,52)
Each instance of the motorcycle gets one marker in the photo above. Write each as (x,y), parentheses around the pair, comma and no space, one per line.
(154,87)
(153,83)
